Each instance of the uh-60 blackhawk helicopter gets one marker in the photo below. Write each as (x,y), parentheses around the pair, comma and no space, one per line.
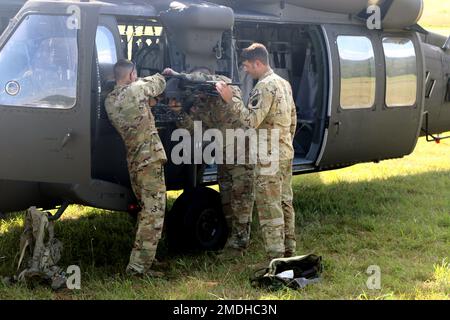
(363,94)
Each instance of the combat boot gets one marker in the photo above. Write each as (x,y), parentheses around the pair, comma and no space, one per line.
(149,273)
(161,265)
(133,271)
(154,274)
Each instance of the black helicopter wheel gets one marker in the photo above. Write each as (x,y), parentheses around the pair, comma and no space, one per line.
(196,222)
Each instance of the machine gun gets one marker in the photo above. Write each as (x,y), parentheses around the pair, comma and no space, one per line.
(186,91)
(206,87)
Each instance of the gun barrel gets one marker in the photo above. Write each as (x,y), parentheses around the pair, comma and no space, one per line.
(228,83)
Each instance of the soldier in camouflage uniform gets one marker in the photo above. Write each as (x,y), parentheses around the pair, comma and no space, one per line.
(128,109)
(236,181)
(271,107)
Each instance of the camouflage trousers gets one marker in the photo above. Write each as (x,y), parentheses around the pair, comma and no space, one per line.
(150,189)
(274,198)
(236,184)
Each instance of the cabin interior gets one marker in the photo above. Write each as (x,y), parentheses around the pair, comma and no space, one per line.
(296,54)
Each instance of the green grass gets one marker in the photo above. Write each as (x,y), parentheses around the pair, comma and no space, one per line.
(436,14)
(395,215)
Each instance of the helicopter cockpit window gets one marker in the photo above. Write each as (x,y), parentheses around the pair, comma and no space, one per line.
(358,81)
(38,64)
(401,72)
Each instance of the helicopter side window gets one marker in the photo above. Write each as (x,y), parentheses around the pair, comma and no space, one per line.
(106,46)
(38,64)
(358,82)
(107,57)
(401,72)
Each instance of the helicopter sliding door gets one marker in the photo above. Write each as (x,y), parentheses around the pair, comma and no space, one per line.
(376,100)
(45,95)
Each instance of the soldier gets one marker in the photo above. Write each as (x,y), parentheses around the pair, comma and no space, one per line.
(128,109)
(236,181)
(271,107)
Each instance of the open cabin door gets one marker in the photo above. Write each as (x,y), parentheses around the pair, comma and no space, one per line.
(376,95)
(45,96)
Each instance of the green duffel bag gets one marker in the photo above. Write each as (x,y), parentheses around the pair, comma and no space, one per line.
(295,273)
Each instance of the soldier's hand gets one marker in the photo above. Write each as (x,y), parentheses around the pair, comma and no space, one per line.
(175,106)
(152,102)
(194,110)
(225,91)
(169,72)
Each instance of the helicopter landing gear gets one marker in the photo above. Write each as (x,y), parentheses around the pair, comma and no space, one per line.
(430,137)
(59,213)
(196,222)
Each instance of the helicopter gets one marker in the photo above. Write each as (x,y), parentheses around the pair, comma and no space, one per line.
(362,94)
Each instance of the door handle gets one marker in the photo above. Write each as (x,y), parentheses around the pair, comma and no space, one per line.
(66,139)
(338,125)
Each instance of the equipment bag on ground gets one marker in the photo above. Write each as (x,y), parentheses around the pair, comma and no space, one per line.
(295,273)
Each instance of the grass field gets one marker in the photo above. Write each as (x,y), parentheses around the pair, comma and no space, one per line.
(436,14)
(395,215)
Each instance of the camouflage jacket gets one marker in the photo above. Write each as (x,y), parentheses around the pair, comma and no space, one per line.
(271,106)
(129,111)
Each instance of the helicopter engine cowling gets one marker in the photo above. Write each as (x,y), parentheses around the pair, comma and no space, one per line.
(197,31)
(401,13)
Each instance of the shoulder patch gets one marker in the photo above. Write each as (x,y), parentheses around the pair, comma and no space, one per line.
(254,98)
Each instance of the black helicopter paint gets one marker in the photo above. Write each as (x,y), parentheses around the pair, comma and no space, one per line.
(362,95)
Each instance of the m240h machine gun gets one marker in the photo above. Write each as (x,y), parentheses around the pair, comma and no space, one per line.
(180,87)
